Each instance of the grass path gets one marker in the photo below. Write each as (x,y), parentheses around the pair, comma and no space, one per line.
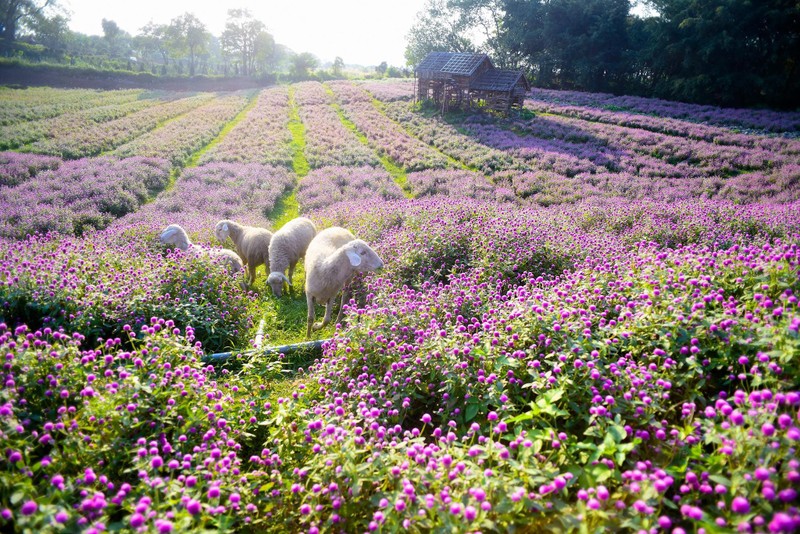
(284,319)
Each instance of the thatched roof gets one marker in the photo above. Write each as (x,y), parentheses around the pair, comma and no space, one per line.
(445,64)
(499,80)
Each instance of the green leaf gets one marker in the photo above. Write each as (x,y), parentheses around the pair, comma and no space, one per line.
(470,412)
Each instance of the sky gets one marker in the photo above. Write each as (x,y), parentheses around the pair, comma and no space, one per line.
(361,32)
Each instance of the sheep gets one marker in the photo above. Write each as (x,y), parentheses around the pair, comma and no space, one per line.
(332,258)
(174,234)
(252,244)
(287,247)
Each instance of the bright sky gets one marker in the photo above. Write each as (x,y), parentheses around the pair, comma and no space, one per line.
(364,32)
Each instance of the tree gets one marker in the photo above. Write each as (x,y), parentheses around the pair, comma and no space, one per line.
(247,38)
(730,52)
(15,14)
(52,33)
(575,44)
(338,67)
(302,64)
(437,29)
(154,38)
(381,69)
(189,35)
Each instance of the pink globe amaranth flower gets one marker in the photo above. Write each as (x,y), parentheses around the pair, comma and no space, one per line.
(193,507)
(29,508)
(455,508)
(768,429)
(156,462)
(164,526)
(305,509)
(213,492)
(664,522)
(592,503)
(62,517)
(761,473)
(137,520)
(426,418)
(740,505)
(470,513)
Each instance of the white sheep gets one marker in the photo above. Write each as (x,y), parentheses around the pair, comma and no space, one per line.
(174,234)
(252,244)
(332,258)
(287,247)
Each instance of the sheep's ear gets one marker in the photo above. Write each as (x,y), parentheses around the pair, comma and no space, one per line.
(287,280)
(355,259)
(225,227)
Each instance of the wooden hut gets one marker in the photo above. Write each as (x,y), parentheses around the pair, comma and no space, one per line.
(454,80)
(500,90)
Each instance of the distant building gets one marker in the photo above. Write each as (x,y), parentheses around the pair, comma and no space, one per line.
(457,80)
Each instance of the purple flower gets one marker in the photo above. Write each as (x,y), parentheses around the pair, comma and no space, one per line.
(29,508)
(740,505)
(137,520)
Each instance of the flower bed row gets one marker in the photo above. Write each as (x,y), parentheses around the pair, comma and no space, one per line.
(328,141)
(261,137)
(205,194)
(179,139)
(34,103)
(103,137)
(22,133)
(670,126)
(16,167)
(331,185)
(763,119)
(385,135)
(80,195)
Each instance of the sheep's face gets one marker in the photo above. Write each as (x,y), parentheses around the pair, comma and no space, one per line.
(221,231)
(362,257)
(275,281)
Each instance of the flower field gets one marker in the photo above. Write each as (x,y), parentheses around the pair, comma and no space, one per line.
(587,320)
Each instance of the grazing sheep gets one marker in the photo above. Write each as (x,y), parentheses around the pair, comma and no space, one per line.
(252,244)
(287,247)
(174,234)
(332,258)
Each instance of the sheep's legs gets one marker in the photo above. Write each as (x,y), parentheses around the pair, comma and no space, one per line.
(310,304)
(345,298)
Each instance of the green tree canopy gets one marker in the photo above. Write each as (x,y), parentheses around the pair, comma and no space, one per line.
(734,52)
(16,14)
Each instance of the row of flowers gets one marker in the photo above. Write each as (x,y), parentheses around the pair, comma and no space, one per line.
(385,135)
(328,141)
(23,133)
(181,138)
(105,136)
(76,196)
(35,103)
(261,137)
(670,126)
(762,119)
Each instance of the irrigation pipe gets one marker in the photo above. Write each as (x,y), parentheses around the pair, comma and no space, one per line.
(283,349)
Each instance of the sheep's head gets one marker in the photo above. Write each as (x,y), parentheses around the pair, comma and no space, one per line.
(362,257)
(174,235)
(222,230)
(276,280)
